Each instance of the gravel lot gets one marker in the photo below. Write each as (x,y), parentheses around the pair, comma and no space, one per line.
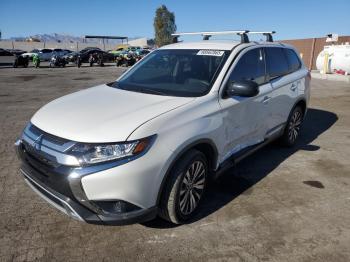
(278,205)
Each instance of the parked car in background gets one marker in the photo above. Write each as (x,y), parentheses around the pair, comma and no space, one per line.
(60,52)
(118,51)
(89,48)
(6,57)
(13,58)
(21,61)
(16,51)
(85,55)
(31,53)
(57,61)
(71,57)
(46,53)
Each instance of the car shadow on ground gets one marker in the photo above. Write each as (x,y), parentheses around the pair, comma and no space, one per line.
(254,168)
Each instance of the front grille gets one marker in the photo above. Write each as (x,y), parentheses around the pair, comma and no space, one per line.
(46,148)
(34,162)
(44,159)
(48,137)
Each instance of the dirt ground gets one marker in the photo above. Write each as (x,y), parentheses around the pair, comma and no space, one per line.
(278,205)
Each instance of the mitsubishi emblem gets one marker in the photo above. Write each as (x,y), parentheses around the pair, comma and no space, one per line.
(36,143)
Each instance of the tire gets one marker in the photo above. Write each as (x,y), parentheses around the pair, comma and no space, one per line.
(293,126)
(184,188)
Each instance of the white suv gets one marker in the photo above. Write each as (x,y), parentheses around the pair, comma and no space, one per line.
(147,144)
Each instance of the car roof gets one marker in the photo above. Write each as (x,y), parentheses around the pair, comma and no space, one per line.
(219,44)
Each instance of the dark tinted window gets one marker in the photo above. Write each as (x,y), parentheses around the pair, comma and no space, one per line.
(46,51)
(251,66)
(5,53)
(276,62)
(293,60)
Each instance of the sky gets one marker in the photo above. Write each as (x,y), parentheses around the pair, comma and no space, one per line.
(291,19)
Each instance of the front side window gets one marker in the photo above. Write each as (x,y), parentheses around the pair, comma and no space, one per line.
(175,72)
(251,66)
(276,62)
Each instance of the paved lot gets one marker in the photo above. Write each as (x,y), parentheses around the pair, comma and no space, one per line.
(279,205)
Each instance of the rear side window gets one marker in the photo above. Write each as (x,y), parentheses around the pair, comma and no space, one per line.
(276,62)
(293,60)
(251,66)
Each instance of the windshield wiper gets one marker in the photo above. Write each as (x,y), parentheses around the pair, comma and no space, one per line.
(141,90)
(151,91)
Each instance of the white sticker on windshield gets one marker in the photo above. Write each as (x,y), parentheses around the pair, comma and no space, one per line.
(210,52)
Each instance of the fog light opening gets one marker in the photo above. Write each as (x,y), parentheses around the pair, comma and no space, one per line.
(116,207)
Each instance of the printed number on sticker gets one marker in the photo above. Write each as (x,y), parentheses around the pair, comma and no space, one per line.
(210,52)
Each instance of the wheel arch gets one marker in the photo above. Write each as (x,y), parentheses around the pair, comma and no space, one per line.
(302,103)
(206,146)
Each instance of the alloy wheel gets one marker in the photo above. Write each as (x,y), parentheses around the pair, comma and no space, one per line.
(294,125)
(192,187)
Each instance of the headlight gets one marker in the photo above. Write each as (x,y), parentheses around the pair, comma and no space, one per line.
(97,153)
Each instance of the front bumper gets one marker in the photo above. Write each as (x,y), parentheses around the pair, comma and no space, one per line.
(53,185)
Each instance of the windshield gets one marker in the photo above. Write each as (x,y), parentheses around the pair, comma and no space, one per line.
(175,72)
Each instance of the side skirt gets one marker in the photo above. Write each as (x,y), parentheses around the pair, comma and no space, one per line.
(240,155)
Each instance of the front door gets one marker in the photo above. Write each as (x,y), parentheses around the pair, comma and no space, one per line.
(245,118)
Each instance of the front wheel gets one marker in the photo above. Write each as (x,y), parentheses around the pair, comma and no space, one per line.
(292,129)
(184,188)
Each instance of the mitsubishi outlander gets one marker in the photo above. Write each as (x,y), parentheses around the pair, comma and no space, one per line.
(147,144)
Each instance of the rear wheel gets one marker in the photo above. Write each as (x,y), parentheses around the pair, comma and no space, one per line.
(292,129)
(185,188)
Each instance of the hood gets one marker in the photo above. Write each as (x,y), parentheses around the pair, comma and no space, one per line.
(102,113)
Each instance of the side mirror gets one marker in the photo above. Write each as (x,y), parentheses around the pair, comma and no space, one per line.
(245,88)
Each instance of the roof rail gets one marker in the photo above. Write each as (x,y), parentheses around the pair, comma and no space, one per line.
(242,33)
(207,34)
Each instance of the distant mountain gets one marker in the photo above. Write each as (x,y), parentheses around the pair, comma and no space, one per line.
(54,37)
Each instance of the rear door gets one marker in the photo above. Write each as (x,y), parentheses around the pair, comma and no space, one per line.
(245,118)
(284,82)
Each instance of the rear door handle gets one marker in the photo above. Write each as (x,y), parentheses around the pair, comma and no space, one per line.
(266,99)
(293,87)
